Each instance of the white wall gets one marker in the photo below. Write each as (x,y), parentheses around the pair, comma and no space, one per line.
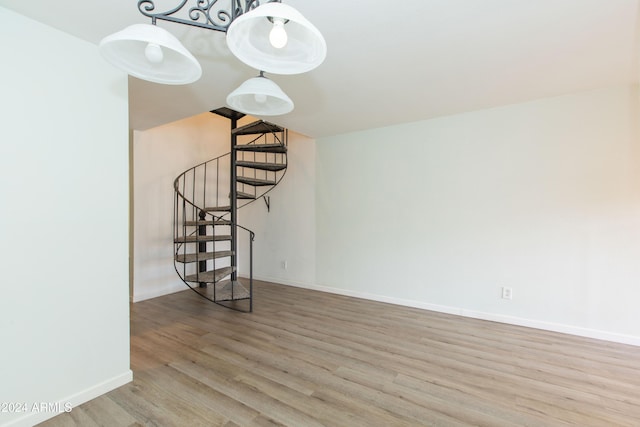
(543,197)
(64,314)
(287,233)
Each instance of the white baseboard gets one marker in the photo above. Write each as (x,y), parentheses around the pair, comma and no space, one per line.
(494,317)
(32,418)
(155,293)
(282,281)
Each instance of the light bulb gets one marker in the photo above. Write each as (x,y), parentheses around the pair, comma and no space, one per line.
(278,35)
(260,98)
(153,53)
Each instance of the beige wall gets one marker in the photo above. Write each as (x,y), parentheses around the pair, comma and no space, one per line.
(159,156)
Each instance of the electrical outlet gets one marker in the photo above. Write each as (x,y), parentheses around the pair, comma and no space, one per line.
(284,265)
(507,293)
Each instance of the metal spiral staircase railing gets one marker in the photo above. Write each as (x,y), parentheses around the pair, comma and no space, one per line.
(209,244)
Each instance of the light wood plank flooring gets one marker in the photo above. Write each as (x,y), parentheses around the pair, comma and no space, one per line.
(306,358)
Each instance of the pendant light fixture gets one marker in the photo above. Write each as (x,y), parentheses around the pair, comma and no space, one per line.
(151,53)
(276,38)
(266,35)
(260,96)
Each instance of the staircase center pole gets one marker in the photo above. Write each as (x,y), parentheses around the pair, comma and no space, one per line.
(202,246)
(234,200)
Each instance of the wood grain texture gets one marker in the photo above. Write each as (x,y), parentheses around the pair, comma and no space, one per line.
(306,358)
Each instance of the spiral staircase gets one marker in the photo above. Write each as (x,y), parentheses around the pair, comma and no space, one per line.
(213,253)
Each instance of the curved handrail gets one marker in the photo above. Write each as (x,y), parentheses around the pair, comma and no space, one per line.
(193,168)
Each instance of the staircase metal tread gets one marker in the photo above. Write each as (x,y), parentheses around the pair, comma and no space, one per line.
(262,148)
(210,276)
(241,195)
(207,222)
(228,113)
(202,256)
(263,166)
(196,238)
(218,209)
(228,290)
(256,128)
(255,181)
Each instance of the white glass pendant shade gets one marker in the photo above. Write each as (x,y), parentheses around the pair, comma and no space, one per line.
(260,96)
(151,53)
(250,37)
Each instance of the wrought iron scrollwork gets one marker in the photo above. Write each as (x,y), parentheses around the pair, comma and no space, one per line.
(203,14)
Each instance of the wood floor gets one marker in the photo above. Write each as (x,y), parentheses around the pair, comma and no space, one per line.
(306,358)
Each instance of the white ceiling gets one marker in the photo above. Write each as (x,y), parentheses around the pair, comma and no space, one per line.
(390,62)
